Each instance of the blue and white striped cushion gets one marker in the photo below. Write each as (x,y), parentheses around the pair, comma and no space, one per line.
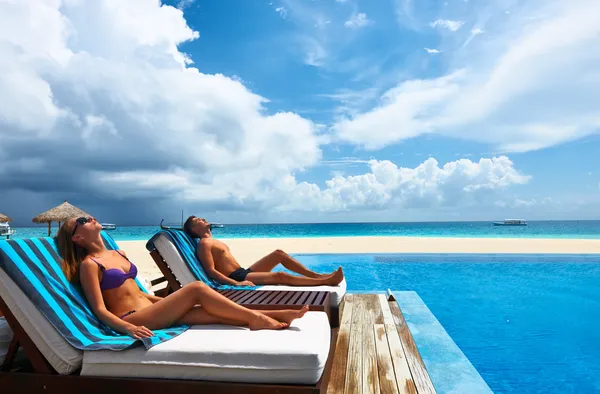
(34,265)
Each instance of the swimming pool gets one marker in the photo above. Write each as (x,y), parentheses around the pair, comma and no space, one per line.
(527,323)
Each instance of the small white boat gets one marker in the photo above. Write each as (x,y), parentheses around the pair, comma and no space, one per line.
(6,231)
(511,222)
(108,226)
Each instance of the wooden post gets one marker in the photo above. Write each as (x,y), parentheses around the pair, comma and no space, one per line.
(49,223)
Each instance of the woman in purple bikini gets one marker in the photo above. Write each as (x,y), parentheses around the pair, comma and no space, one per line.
(106,277)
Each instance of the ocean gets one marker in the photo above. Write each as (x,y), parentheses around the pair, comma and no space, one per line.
(578,229)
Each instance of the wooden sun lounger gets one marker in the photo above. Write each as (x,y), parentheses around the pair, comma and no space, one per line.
(261,300)
(41,377)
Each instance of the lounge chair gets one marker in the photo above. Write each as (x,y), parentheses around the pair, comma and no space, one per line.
(174,253)
(75,353)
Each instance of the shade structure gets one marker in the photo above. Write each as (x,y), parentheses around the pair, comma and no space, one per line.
(4,219)
(59,214)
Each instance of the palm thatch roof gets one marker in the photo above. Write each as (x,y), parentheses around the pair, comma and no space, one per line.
(59,214)
(4,219)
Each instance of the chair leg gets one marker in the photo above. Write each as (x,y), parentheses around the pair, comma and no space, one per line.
(10,355)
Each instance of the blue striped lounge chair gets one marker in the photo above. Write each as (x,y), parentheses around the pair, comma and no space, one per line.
(68,349)
(175,254)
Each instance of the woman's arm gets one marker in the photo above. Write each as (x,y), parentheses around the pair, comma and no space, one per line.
(88,277)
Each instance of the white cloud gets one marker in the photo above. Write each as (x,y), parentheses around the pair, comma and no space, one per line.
(315,54)
(281,11)
(528,203)
(357,21)
(183,4)
(528,86)
(447,24)
(432,50)
(99,94)
(457,183)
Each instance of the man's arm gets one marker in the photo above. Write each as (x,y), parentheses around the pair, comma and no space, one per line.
(204,254)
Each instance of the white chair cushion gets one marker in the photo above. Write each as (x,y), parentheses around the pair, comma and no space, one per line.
(296,355)
(59,353)
(185,276)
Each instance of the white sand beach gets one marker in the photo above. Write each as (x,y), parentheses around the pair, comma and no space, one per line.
(248,250)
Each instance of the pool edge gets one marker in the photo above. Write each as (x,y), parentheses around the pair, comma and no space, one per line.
(450,370)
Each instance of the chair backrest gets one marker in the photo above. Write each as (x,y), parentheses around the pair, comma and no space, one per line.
(34,265)
(179,251)
(63,357)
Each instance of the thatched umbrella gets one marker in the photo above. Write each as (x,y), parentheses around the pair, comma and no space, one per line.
(59,214)
(4,219)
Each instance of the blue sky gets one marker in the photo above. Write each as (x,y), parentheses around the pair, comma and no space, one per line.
(301,110)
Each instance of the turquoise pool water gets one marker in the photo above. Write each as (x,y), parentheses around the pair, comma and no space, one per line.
(527,323)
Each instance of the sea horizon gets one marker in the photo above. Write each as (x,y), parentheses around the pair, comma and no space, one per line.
(547,229)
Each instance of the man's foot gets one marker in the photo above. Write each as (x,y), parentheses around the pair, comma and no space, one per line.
(263,322)
(288,315)
(336,278)
(327,276)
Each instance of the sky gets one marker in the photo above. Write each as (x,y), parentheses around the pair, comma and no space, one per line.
(262,111)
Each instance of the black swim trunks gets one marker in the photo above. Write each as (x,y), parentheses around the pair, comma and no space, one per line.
(240,274)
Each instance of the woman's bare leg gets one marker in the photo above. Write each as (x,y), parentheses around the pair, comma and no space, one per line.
(198,315)
(175,306)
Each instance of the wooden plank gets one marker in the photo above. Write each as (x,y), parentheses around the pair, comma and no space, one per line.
(296,297)
(388,318)
(387,377)
(271,295)
(248,294)
(358,306)
(279,298)
(237,295)
(337,378)
(257,298)
(354,370)
(17,383)
(303,299)
(370,379)
(417,367)
(373,309)
(404,378)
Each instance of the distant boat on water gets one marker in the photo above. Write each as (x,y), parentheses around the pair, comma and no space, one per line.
(511,222)
(108,226)
(6,231)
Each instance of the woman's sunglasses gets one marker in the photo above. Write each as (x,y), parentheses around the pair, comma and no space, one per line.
(79,221)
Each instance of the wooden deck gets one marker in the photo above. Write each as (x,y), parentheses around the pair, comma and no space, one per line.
(375,352)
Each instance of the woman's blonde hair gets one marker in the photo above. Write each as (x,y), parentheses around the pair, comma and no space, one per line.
(72,254)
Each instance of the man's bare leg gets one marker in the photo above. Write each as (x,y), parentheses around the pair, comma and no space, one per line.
(282,278)
(270,261)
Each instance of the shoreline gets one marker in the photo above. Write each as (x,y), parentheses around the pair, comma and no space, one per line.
(249,250)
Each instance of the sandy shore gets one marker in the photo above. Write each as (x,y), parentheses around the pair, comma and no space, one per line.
(248,250)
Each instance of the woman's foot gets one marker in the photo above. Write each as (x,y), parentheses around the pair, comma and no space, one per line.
(263,322)
(288,315)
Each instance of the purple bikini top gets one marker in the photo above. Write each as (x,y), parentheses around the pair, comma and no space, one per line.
(114,277)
